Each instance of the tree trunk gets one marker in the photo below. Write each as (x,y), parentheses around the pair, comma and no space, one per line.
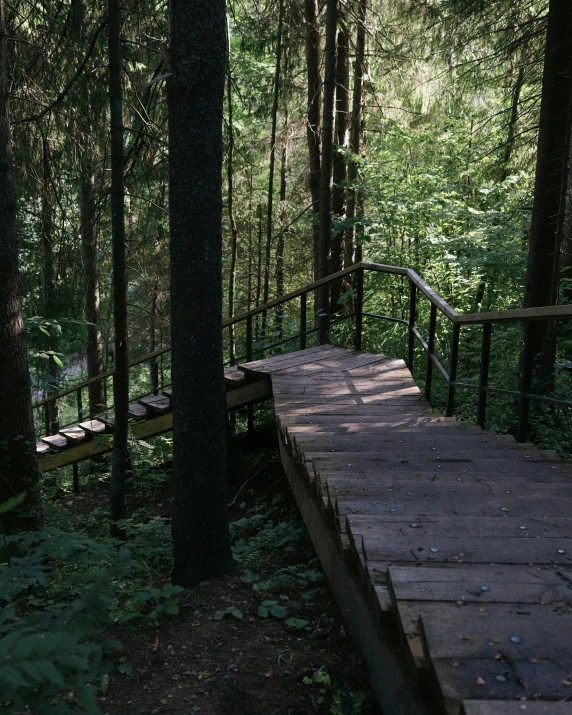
(341,140)
(154,364)
(542,277)
(269,216)
(515,101)
(96,391)
(18,468)
(119,456)
(312,48)
(51,416)
(201,540)
(327,163)
(232,222)
(355,136)
(280,241)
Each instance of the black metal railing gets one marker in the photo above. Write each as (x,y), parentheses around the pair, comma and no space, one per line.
(529,318)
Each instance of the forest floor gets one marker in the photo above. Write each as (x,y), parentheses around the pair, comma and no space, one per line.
(269,640)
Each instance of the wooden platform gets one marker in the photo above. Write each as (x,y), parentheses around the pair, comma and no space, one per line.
(448,548)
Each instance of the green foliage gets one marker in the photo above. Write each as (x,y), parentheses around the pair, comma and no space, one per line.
(230,611)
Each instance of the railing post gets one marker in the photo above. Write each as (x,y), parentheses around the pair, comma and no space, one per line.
(248,359)
(412,317)
(484,376)
(249,338)
(79,405)
(526,380)
(430,351)
(359,309)
(453,369)
(303,315)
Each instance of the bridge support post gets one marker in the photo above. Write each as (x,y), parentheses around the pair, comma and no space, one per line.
(430,352)
(303,314)
(453,369)
(526,380)
(484,376)
(359,309)
(412,317)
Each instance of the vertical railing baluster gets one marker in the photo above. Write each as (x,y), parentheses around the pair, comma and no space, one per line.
(412,317)
(76,477)
(359,309)
(453,369)
(430,352)
(248,359)
(526,379)
(303,316)
(484,374)
(79,405)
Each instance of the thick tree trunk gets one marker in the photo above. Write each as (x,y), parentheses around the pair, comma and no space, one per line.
(119,456)
(270,204)
(96,390)
(18,468)
(542,278)
(51,416)
(327,163)
(355,137)
(153,363)
(341,140)
(280,242)
(231,219)
(312,48)
(201,541)
(512,122)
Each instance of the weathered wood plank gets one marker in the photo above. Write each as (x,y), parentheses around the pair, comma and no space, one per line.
(518,707)
(481,584)
(74,435)
(156,404)
(93,427)
(137,412)
(55,441)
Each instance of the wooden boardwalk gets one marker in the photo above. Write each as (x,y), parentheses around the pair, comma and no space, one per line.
(448,548)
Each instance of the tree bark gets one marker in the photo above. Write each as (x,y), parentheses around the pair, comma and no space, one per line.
(201,540)
(51,416)
(231,219)
(280,242)
(119,456)
(18,467)
(96,391)
(269,216)
(542,278)
(355,137)
(341,140)
(327,163)
(153,363)
(312,49)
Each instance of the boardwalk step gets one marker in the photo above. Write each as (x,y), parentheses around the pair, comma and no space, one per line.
(156,404)
(55,441)
(93,427)
(73,435)
(137,412)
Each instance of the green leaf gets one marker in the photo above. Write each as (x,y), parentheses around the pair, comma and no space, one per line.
(263,612)
(278,611)
(12,503)
(296,623)
(57,361)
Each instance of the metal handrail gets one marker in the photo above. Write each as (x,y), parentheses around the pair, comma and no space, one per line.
(528,316)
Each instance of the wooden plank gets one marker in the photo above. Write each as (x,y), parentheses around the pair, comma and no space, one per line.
(156,404)
(301,357)
(93,427)
(378,488)
(137,412)
(100,445)
(55,441)
(438,477)
(370,461)
(234,377)
(482,631)
(74,435)
(454,527)
(481,584)
(377,440)
(402,449)
(512,680)
(168,392)
(42,448)
(253,392)
(516,707)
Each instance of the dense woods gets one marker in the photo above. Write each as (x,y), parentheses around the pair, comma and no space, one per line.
(166,166)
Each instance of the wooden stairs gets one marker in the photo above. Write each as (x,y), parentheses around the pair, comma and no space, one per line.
(149,417)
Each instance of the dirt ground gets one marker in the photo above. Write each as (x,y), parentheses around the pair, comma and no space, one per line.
(194,663)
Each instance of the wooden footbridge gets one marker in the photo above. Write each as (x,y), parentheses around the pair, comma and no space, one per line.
(448,547)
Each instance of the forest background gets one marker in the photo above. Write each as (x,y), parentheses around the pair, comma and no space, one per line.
(426,114)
